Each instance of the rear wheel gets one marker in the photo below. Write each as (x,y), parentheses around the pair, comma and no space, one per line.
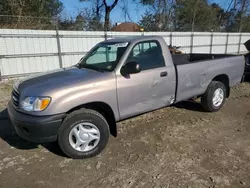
(84,133)
(215,96)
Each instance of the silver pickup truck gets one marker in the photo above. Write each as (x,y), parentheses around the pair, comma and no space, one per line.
(118,79)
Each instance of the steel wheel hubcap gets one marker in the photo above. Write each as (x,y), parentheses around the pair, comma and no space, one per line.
(84,137)
(218,97)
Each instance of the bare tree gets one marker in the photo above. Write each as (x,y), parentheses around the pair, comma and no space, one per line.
(194,14)
(125,8)
(16,7)
(108,9)
(99,4)
(162,11)
(244,8)
(239,11)
(29,13)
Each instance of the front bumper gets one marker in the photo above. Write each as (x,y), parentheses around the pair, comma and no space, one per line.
(39,129)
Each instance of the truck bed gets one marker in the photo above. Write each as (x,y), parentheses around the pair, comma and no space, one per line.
(181,59)
(195,71)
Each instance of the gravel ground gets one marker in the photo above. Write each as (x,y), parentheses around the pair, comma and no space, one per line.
(180,146)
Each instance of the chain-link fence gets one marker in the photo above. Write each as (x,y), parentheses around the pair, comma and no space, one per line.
(80,23)
(26,22)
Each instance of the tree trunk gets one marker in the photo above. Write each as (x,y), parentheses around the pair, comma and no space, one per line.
(194,15)
(21,4)
(108,9)
(169,21)
(242,12)
(107,18)
(98,8)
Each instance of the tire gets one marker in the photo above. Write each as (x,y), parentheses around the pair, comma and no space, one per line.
(84,119)
(207,97)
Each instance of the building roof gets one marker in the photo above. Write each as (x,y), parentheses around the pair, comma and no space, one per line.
(126,27)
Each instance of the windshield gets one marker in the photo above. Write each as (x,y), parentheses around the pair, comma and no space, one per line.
(104,57)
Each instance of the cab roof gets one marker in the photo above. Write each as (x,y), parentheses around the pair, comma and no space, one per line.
(131,39)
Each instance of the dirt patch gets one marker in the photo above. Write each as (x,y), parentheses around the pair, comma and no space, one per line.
(5,90)
(179,146)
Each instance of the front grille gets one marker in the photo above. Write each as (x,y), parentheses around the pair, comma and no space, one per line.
(15,98)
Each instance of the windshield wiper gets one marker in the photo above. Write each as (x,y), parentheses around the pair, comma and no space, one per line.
(88,66)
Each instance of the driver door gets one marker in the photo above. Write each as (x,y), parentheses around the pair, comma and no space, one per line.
(146,90)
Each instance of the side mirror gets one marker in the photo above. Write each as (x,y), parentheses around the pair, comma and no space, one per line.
(131,67)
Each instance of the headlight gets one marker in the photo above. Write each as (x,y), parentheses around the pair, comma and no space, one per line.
(35,103)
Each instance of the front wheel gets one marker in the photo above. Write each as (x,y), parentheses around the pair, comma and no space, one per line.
(84,133)
(215,96)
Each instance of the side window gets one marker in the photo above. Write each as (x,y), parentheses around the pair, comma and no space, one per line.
(148,55)
(111,53)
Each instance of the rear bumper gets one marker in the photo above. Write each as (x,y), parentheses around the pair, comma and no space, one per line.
(39,129)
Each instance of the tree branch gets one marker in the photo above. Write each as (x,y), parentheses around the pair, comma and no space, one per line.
(110,7)
(105,3)
(113,5)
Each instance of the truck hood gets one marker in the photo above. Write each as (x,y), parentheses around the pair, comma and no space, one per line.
(247,45)
(41,83)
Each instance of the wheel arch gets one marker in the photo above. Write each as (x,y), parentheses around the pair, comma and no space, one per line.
(225,80)
(104,109)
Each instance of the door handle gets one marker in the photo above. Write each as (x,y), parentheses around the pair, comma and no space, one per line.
(163,74)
